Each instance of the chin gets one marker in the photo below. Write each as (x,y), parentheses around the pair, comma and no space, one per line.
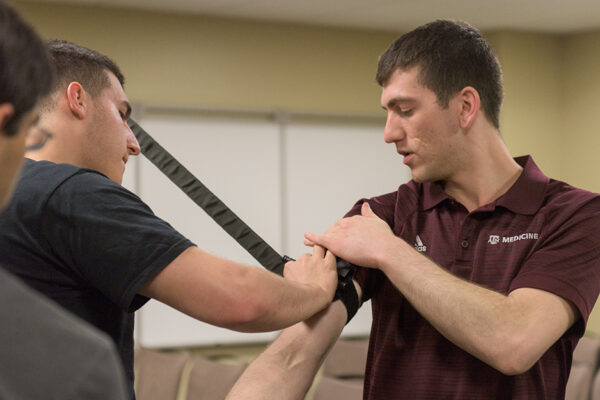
(417,177)
(422,178)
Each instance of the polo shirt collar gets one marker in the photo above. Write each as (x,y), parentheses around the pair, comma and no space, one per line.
(524,197)
(433,194)
(527,194)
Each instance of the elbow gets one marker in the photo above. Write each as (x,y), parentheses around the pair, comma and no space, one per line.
(251,317)
(246,314)
(514,366)
(514,356)
(249,305)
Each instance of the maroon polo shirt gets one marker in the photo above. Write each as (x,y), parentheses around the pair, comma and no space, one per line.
(541,234)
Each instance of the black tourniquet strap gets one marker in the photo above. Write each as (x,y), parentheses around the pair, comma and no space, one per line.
(231,223)
(215,208)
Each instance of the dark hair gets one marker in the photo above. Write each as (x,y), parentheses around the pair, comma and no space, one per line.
(451,56)
(25,73)
(75,63)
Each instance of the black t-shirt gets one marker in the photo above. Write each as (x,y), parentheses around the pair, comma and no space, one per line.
(87,243)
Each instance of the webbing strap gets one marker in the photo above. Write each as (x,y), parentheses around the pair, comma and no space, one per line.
(202,196)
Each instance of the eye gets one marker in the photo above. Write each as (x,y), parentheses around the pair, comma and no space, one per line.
(406,112)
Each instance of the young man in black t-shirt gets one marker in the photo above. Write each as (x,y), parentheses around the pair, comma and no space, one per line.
(78,236)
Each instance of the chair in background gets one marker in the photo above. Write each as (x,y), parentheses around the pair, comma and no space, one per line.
(212,380)
(330,388)
(343,371)
(158,373)
(596,387)
(583,369)
(347,359)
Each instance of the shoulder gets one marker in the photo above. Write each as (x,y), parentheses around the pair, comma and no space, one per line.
(82,187)
(563,201)
(571,214)
(394,205)
(70,189)
(44,176)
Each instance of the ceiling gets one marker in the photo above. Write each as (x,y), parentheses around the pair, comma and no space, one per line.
(549,16)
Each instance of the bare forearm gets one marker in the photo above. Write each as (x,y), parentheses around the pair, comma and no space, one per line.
(227,294)
(277,303)
(495,328)
(287,368)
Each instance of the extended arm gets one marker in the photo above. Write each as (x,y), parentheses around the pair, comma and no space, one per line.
(287,368)
(243,298)
(509,332)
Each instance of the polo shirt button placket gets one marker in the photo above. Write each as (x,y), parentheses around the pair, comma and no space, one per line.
(464,243)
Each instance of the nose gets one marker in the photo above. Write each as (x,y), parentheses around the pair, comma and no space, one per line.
(393,131)
(133,147)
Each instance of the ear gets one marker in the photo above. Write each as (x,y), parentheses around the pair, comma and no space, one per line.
(470,103)
(77,99)
(7,110)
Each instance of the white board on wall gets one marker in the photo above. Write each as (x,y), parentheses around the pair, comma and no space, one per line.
(328,168)
(282,180)
(238,162)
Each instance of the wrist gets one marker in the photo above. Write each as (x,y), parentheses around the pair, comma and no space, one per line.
(318,294)
(395,252)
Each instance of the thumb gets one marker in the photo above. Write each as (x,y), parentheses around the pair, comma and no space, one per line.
(366,211)
(314,239)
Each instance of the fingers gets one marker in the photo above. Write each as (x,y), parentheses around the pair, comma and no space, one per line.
(318,251)
(329,256)
(315,239)
(365,210)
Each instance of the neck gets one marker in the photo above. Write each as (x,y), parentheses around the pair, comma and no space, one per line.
(489,173)
(53,141)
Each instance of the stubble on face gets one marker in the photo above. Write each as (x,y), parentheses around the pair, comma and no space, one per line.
(106,141)
(423,131)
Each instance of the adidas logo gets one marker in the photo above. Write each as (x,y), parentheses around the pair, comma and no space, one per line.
(419,246)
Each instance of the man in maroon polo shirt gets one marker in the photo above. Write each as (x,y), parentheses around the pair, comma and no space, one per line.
(481,271)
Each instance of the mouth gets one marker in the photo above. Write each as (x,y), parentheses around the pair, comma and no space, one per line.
(407,156)
(124,159)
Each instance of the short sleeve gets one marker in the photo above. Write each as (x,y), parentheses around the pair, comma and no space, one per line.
(108,237)
(369,279)
(566,262)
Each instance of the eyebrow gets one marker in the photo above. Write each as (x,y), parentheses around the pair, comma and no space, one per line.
(399,99)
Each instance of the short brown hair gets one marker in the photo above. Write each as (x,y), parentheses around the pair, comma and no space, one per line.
(451,56)
(75,63)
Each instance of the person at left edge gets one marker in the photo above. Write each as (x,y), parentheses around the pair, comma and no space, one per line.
(45,352)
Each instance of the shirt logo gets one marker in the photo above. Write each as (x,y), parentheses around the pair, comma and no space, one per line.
(495,239)
(419,246)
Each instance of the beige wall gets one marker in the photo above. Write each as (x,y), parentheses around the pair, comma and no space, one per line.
(532,88)
(579,139)
(551,81)
(198,61)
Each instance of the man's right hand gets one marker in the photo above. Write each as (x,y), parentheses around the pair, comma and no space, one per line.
(317,270)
